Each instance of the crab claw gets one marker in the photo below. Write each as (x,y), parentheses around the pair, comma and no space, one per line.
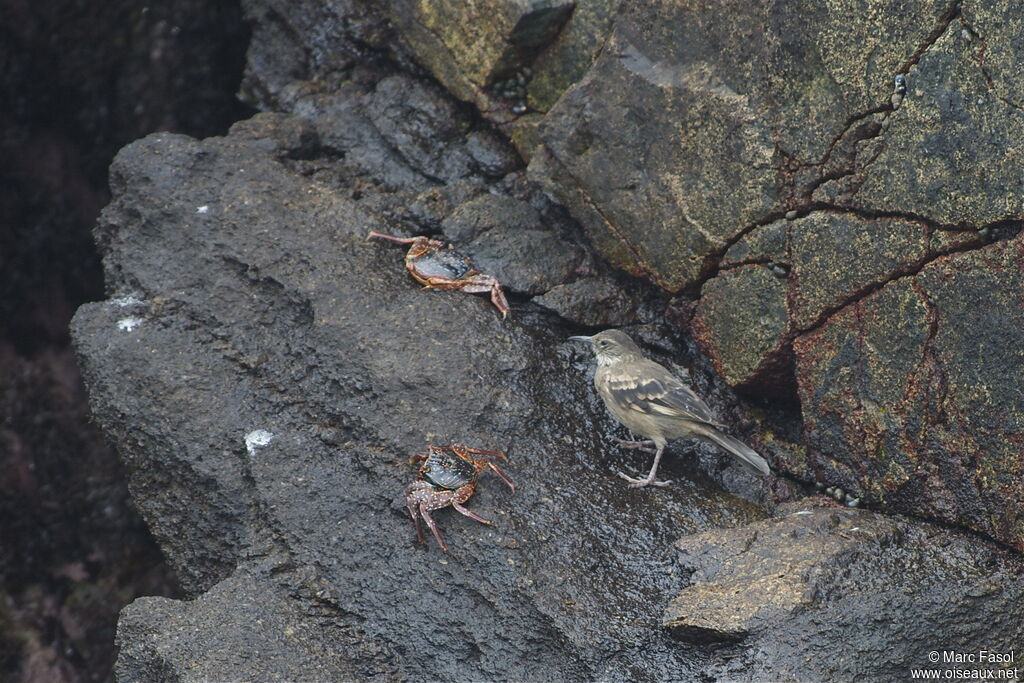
(499,300)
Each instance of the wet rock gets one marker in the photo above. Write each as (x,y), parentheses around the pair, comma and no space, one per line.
(279,369)
(592,302)
(279,134)
(804,124)
(970,174)
(418,121)
(747,322)
(910,393)
(571,53)
(767,243)
(269,386)
(295,40)
(678,139)
(982,22)
(432,207)
(470,45)
(837,257)
(507,237)
(742,320)
(832,593)
(857,312)
(493,156)
(478,215)
(380,120)
(214,634)
(527,261)
(600,157)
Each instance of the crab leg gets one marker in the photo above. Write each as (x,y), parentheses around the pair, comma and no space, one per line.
(499,300)
(416,521)
(391,238)
(479,451)
(484,284)
(504,477)
(472,515)
(419,239)
(425,511)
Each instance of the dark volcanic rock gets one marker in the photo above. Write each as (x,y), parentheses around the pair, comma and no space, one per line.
(213,637)
(482,213)
(787,277)
(528,261)
(911,394)
(787,160)
(469,45)
(743,320)
(272,375)
(951,152)
(839,594)
(266,371)
(593,302)
(696,124)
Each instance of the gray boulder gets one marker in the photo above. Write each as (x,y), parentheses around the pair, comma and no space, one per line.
(266,373)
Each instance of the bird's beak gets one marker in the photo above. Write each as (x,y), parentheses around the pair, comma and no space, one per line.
(582,339)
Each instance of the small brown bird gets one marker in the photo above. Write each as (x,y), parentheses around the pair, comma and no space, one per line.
(646,398)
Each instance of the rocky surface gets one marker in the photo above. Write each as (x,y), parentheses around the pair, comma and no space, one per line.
(783,170)
(266,372)
(858,581)
(247,299)
(912,395)
(298,637)
(471,45)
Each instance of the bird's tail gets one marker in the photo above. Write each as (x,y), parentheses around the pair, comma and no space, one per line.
(741,450)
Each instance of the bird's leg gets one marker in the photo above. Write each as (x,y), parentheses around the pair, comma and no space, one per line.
(646,445)
(650,480)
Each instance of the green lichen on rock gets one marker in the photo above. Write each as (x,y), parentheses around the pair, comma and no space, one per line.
(750,336)
(820,262)
(952,151)
(468,44)
(912,394)
(768,243)
(569,56)
(638,171)
(887,132)
(836,256)
(694,124)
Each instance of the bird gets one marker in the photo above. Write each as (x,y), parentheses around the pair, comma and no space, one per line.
(649,400)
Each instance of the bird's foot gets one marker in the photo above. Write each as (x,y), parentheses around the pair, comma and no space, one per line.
(640,483)
(647,446)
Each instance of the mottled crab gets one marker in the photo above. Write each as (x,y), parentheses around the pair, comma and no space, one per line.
(437,265)
(448,477)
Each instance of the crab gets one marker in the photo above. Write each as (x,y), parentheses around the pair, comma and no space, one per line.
(448,477)
(437,265)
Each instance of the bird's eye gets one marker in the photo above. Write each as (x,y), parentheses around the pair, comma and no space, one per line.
(602,344)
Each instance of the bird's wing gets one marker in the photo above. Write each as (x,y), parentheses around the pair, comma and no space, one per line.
(651,389)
